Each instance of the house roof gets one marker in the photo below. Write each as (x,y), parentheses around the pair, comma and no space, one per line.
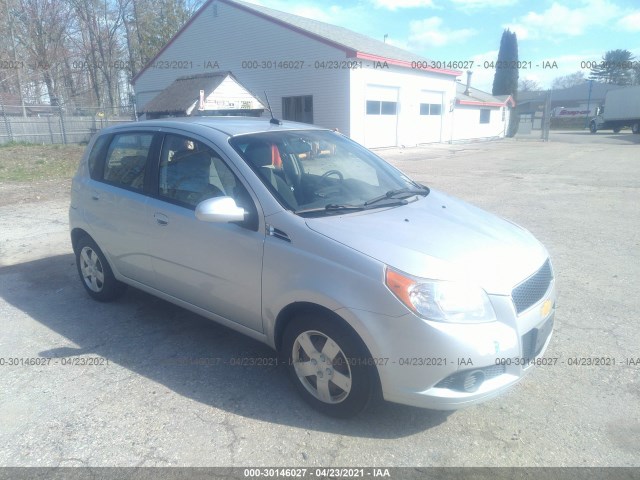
(184,91)
(480,98)
(354,44)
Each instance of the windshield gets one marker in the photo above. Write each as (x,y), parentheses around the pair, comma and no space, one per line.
(321,172)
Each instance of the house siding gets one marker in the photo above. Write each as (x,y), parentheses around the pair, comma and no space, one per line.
(467,124)
(412,87)
(230,36)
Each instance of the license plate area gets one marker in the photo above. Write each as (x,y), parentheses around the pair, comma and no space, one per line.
(534,339)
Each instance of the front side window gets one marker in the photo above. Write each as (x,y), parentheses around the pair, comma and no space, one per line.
(321,171)
(191,172)
(187,171)
(126,160)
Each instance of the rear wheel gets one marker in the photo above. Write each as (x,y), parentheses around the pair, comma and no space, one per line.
(329,364)
(95,273)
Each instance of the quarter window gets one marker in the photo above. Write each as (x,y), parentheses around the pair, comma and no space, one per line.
(126,160)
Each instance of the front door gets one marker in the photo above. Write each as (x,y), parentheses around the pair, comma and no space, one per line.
(215,266)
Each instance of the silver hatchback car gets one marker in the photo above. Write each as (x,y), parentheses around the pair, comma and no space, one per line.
(362,279)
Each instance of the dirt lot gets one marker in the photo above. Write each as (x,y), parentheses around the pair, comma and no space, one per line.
(152,400)
(34,173)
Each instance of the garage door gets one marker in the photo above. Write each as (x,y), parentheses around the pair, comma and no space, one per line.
(381,116)
(430,117)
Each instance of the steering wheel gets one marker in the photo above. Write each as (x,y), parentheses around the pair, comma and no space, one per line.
(332,172)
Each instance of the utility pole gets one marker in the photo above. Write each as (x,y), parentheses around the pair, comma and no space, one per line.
(586,123)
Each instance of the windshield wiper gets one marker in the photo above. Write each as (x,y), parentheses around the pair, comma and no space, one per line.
(398,193)
(332,207)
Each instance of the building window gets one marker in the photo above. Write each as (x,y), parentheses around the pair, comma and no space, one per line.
(376,107)
(298,109)
(430,109)
(373,107)
(485,115)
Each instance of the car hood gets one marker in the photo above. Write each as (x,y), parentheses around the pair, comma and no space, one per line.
(439,237)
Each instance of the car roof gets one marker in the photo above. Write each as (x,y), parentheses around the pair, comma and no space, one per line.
(230,126)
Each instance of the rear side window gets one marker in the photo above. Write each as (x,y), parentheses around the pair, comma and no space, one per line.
(126,159)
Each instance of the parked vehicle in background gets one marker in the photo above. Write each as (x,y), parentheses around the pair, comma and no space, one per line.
(361,278)
(621,109)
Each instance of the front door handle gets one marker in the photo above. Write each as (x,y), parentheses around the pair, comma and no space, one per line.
(161,218)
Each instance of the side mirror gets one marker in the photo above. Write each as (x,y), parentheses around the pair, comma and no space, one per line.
(219,210)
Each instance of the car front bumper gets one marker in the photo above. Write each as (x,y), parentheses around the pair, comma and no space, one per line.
(446,366)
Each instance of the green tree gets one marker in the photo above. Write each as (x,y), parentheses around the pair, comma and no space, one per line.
(615,68)
(505,80)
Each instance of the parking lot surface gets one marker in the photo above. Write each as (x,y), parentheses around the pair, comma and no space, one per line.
(140,382)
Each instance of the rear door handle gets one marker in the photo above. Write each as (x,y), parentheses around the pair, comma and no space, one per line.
(161,218)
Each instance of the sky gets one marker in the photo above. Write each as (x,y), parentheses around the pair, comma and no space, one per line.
(557,38)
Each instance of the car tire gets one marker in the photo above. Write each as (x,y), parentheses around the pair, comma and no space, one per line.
(329,364)
(616,129)
(635,128)
(592,127)
(95,273)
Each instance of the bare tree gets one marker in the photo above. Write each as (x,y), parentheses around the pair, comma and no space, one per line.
(43,26)
(567,81)
(528,85)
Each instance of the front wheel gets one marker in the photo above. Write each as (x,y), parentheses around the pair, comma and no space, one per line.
(328,364)
(95,272)
(635,128)
(592,127)
(616,129)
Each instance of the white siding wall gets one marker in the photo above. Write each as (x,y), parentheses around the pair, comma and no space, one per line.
(467,126)
(228,35)
(412,85)
(230,95)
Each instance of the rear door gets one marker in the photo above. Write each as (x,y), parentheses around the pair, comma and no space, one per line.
(115,206)
(215,266)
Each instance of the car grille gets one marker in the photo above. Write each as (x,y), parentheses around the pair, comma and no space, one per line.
(455,381)
(532,289)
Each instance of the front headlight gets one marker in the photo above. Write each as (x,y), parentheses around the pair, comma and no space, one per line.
(439,300)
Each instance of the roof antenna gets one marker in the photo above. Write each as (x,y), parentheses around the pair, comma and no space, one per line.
(273,120)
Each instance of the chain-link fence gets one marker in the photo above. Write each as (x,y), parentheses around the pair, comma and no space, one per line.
(54,124)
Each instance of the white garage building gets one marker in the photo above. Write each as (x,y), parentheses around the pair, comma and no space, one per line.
(312,72)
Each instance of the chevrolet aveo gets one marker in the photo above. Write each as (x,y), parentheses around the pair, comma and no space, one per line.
(362,279)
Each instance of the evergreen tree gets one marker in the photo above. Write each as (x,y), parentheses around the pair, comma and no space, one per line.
(505,80)
(615,68)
